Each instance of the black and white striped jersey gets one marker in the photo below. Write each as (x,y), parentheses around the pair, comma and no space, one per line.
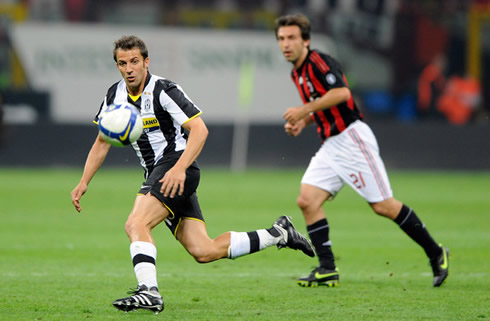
(164,107)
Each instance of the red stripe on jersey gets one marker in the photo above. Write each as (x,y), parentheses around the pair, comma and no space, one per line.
(327,129)
(318,61)
(350,103)
(317,84)
(296,82)
(305,84)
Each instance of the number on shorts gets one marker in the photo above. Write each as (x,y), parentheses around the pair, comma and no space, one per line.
(357,180)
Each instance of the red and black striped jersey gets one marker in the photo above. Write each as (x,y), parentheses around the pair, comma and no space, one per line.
(318,74)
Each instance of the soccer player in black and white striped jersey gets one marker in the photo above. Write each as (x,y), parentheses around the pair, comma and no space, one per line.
(349,153)
(168,154)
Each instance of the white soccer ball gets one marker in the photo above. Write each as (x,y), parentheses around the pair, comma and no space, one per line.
(120,124)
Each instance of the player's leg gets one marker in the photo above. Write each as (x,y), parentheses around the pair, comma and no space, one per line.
(310,201)
(371,181)
(320,183)
(147,213)
(411,224)
(192,234)
(194,237)
(354,154)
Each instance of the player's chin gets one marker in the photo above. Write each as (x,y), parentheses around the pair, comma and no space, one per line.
(131,82)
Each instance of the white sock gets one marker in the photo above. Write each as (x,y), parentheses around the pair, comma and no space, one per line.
(144,255)
(243,243)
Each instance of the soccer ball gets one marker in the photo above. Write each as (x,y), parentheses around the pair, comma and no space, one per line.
(120,124)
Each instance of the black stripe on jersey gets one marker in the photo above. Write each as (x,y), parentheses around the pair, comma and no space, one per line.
(348,115)
(320,126)
(147,151)
(164,118)
(331,120)
(111,93)
(184,103)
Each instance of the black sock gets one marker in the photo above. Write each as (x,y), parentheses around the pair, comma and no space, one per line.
(411,224)
(318,232)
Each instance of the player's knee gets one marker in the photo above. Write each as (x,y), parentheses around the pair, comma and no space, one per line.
(306,204)
(202,259)
(375,207)
(388,208)
(303,202)
(208,254)
(378,209)
(129,227)
(132,226)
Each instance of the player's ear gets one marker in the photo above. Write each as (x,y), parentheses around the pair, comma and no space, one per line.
(147,62)
(307,43)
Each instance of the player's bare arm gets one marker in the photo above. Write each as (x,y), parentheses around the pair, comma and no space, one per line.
(173,181)
(331,98)
(95,158)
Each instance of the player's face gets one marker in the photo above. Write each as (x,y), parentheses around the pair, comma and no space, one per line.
(292,46)
(133,68)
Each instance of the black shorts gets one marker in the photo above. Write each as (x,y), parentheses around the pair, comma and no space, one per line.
(180,207)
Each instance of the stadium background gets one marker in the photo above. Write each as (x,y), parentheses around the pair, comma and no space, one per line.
(56,65)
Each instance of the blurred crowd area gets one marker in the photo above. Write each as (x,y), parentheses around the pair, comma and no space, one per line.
(437,50)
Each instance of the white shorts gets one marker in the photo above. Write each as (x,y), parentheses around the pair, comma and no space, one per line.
(350,157)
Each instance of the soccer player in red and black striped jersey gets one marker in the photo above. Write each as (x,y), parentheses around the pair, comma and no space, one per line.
(349,153)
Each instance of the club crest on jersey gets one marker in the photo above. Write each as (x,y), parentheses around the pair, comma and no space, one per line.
(330,78)
(147,105)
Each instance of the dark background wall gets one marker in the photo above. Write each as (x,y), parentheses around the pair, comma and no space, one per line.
(430,145)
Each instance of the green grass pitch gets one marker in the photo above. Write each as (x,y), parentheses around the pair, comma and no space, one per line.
(56,264)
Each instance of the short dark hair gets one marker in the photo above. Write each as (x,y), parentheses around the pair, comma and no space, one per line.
(299,20)
(128,43)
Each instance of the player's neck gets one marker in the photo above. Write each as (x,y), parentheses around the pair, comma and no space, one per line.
(299,62)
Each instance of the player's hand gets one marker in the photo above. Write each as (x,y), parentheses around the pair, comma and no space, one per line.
(77,194)
(173,182)
(294,114)
(293,129)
